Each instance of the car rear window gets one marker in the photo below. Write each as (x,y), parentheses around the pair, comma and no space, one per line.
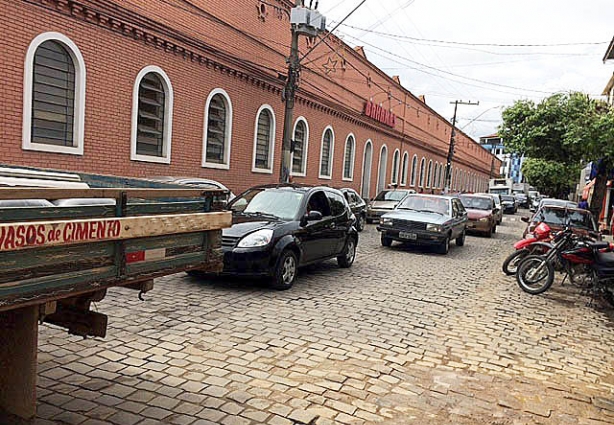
(559,216)
(391,195)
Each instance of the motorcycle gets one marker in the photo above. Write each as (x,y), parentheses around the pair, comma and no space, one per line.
(535,273)
(538,243)
(588,264)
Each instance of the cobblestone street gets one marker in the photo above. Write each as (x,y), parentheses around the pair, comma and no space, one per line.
(405,336)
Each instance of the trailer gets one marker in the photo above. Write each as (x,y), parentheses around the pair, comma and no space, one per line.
(55,261)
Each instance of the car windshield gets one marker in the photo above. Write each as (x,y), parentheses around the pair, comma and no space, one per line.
(391,195)
(283,204)
(559,216)
(476,203)
(425,204)
(507,198)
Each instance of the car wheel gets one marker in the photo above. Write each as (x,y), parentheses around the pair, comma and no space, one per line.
(386,241)
(494,228)
(444,248)
(460,241)
(360,223)
(286,270)
(346,259)
(369,221)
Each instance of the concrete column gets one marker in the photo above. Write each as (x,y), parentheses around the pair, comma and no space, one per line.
(18,348)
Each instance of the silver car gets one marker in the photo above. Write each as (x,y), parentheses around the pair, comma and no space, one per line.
(425,220)
(384,202)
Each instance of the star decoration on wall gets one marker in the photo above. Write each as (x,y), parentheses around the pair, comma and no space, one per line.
(330,66)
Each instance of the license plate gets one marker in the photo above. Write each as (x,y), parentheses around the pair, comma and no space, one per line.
(410,236)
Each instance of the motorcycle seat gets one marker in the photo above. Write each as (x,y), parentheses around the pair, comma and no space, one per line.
(605,259)
(598,245)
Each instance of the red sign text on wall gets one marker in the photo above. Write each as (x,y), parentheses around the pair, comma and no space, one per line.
(380,114)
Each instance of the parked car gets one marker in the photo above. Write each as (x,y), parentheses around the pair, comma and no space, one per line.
(558,202)
(508,202)
(279,228)
(498,207)
(480,214)
(196,182)
(384,202)
(557,217)
(425,220)
(358,207)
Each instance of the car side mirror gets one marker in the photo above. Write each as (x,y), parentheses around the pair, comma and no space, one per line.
(314,216)
(525,219)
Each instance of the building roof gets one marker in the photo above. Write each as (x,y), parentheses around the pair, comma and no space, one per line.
(492,136)
(609,53)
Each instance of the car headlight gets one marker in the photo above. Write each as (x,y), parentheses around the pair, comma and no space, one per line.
(434,228)
(260,238)
(385,221)
(484,219)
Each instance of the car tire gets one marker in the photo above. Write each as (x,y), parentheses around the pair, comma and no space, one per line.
(347,257)
(444,248)
(460,241)
(360,223)
(285,271)
(369,221)
(385,241)
(494,228)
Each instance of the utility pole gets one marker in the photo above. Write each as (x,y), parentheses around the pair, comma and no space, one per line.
(288,95)
(453,141)
(303,21)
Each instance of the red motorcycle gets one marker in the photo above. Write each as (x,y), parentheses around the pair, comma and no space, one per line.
(538,243)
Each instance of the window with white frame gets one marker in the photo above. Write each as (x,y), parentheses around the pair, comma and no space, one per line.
(152,109)
(422,170)
(264,140)
(404,167)
(301,143)
(414,170)
(396,157)
(218,130)
(54,95)
(326,153)
(348,158)
(429,174)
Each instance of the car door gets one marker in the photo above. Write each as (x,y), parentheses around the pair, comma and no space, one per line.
(341,221)
(317,238)
(458,218)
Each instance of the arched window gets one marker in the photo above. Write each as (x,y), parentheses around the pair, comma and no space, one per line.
(381,174)
(326,153)
(301,143)
(404,168)
(414,170)
(54,95)
(429,174)
(348,158)
(367,161)
(395,166)
(422,170)
(264,140)
(218,130)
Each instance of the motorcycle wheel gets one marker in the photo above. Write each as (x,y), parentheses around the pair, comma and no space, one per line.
(535,275)
(510,265)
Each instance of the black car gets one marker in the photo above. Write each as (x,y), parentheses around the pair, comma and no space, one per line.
(277,229)
(508,202)
(358,207)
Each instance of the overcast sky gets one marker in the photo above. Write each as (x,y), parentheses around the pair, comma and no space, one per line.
(447,49)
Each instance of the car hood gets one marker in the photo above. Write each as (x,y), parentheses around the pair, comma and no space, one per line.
(477,214)
(384,205)
(416,216)
(242,226)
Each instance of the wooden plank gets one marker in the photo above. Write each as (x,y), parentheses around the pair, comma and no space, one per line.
(55,213)
(46,193)
(23,235)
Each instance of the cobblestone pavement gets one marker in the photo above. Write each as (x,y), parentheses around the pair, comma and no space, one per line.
(403,337)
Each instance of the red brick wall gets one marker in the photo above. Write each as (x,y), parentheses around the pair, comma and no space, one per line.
(113,60)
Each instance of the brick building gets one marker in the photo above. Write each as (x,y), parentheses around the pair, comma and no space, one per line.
(194,88)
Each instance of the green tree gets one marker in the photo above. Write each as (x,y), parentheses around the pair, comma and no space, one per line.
(551,177)
(568,128)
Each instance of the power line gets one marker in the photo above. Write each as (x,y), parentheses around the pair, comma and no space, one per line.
(391,35)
